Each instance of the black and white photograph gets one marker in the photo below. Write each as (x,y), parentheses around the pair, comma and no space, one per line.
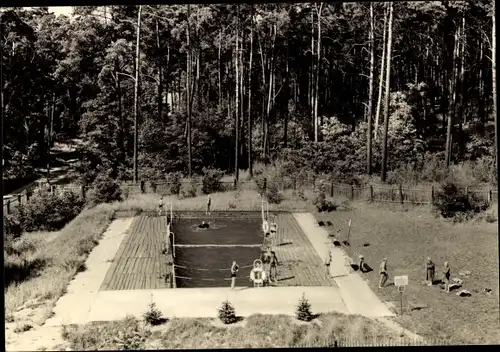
(249,175)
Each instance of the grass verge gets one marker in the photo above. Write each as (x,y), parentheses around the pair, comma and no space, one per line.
(256,331)
(407,238)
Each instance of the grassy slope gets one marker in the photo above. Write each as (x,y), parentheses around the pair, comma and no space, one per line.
(406,238)
(254,332)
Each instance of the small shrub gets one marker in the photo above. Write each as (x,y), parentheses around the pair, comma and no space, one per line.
(191,190)
(211,180)
(46,211)
(12,225)
(23,328)
(452,203)
(273,195)
(227,313)
(153,316)
(174,179)
(153,186)
(303,312)
(105,190)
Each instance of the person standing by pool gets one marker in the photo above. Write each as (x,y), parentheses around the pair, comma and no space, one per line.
(273,267)
(234,270)
(274,227)
(160,206)
(328,260)
(209,203)
(265,227)
(383,273)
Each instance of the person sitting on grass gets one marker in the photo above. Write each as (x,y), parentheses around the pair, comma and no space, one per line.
(203,225)
(361,265)
(430,271)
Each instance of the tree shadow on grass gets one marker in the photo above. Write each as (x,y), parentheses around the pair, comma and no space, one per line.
(21,270)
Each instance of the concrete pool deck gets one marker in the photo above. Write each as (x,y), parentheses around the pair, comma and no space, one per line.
(85,303)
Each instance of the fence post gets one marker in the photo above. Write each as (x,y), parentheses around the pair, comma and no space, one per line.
(352,192)
(467,191)
(19,199)
(490,196)
(82,191)
(28,195)
(265,183)
(314,182)
(401,197)
(142,186)
(331,189)
(371,193)
(8,206)
(432,194)
(52,188)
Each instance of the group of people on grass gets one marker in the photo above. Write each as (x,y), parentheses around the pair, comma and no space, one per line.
(384,276)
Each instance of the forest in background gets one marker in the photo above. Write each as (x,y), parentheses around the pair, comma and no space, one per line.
(157,89)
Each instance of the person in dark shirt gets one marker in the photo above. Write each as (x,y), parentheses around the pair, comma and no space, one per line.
(430,271)
(234,270)
(160,206)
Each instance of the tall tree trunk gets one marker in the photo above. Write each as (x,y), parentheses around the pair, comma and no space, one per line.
(311,77)
(480,96)
(249,133)
(462,90)
(242,95)
(318,63)
(494,82)
(387,94)
(263,65)
(237,97)
(198,85)
(287,93)
(123,147)
(160,76)
(220,69)
(370,93)
(452,96)
(381,78)
(136,96)
(188,91)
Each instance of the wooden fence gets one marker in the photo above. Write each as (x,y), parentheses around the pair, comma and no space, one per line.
(369,193)
(375,342)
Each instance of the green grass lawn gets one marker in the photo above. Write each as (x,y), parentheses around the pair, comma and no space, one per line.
(407,238)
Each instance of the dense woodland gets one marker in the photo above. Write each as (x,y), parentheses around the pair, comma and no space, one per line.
(400,90)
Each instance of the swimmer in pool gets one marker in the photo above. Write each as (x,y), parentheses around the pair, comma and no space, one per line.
(203,225)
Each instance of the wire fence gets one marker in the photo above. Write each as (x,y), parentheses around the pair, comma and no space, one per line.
(368,193)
